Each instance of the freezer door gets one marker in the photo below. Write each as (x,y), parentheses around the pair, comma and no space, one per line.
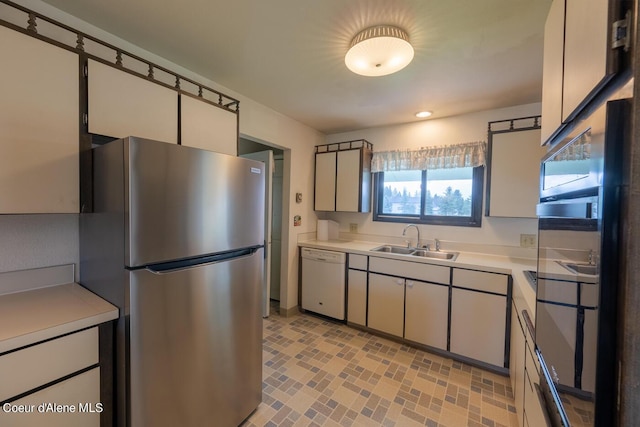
(196,344)
(183,202)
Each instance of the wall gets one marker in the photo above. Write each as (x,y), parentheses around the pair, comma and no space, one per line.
(256,121)
(445,131)
(33,241)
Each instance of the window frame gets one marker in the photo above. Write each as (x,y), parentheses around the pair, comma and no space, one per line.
(475,220)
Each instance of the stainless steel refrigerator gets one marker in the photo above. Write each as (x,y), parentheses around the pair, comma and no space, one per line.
(176,240)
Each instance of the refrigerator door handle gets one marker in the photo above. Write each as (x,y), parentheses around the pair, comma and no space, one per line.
(174,266)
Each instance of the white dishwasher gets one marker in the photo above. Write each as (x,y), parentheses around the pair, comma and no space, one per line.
(323,282)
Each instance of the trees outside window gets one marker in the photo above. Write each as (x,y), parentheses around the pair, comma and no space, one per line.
(442,196)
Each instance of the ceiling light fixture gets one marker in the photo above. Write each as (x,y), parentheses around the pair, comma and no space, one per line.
(379,50)
(423,114)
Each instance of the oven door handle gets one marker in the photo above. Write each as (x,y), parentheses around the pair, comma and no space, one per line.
(579,210)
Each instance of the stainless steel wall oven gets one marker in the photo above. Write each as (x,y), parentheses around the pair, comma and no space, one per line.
(582,190)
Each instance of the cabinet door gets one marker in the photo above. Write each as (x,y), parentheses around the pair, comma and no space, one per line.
(357,297)
(386,304)
(24,370)
(478,322)
(558,343)
(426,313)
(348,181)
(516,361)
(515,174)
(534,406)
(585,51)
(209,127)
(39,131)
(81,391)
(534,411)
(325,182)
(552,70)
(121,104)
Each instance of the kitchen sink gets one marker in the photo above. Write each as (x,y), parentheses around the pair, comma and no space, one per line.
(577,268)
(451,256)
(403,250)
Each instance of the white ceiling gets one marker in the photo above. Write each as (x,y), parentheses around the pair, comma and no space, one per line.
(470,55)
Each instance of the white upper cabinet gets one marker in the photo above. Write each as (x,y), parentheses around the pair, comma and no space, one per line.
(325,180)
(552,70)
(343,177)
(585,51)
(514,173)
(39,126)
(348,181)
(121,105)
(579,57)
(209,127)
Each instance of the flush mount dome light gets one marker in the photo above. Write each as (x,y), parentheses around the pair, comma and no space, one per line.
(423,114)
(379,50)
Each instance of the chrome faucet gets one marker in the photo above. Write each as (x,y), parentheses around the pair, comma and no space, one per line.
(592,257)
(437,245)
(417,229)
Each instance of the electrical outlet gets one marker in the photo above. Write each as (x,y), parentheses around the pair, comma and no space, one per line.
(353,227)
(528,241)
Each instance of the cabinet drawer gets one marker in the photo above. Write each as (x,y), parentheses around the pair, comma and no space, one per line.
(558,291)
(481,280)
(412,270)
(358,262)
(82,392)
(40,364)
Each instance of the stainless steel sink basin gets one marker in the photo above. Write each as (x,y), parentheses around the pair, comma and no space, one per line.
(577,268)
(403,250)
(451,256)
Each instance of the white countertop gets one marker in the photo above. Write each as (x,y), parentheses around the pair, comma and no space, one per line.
(39,314)
(523,294)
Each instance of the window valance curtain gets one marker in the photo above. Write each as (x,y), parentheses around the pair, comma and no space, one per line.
(469,154)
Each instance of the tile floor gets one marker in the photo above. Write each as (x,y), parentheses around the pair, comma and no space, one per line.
(322,373)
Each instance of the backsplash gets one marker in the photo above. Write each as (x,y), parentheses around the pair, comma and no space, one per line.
(34,241)
(451,245)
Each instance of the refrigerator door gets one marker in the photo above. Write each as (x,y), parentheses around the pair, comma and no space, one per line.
(196,344)
(183,202)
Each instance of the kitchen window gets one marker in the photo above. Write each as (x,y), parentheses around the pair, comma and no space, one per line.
(437,185)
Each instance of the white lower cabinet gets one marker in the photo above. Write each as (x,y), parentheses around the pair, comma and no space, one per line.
(478,325)
(426,312)
(357,297)
(479,306)
(386,304)
(534,408)
(456,310)
(74,402)
(516,360)
(37,379)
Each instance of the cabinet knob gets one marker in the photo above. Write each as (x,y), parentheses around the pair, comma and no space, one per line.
(410,283)
(399,281)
